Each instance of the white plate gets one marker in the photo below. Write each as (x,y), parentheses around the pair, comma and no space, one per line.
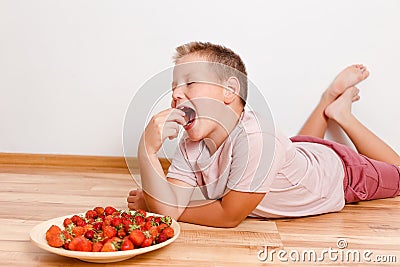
(38,236)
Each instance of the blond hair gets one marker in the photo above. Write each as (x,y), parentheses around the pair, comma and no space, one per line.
(218,54)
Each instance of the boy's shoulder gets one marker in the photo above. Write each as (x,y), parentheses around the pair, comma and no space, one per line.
(251,122)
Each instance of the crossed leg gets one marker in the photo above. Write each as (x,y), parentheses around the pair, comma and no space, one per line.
(336,104)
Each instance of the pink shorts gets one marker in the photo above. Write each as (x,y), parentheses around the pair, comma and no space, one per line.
(364,178)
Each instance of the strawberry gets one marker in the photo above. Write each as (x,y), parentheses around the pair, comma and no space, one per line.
(161,227)
(153,231)
(112,245)
(147,242)
(75,218)
(67,222)
(80,222)
(141,212)
(99,210)
(149,224)
(127,244)
(108,220)
(109,210)
(109,231)
(116,222)
(150,219)
(91,214)
(161,238)
(78,231)
(139,220)
(137,237)
(97,246)
(66,245)
(66,236)
(89,234)
(97,226)
(157,220)
(54,236)
(80,243)
(126,215)
(121,233)
(169,232)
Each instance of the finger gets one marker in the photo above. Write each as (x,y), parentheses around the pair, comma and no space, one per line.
(132,206)
(133,192)
(131,199)
(170,132)
(178,116)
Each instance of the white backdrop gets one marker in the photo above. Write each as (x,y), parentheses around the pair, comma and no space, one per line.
(68,69)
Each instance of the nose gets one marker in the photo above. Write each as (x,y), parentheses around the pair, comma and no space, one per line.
(177,95)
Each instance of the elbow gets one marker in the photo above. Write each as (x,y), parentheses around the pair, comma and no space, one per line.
(232,223)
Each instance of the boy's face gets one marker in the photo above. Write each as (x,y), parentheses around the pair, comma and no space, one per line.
(198,91)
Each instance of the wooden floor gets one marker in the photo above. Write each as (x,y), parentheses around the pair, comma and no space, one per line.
(30,195)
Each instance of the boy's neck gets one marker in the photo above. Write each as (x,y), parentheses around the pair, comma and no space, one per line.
(215,142)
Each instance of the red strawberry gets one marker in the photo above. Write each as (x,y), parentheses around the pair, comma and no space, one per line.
(161,227)
(97,246)
(161,238)
(54,236)
(137,237)
(67,222)
(99,210)
(80,222)
(80,243)
(109,231)
(157,220)
(169,232)
(78,231)
(149,224)
(121,233)
(153,231)
(109,210)
(150,219)
(66,245)
(126,215)
(97,226)
(108,220)
(139,220)
(89,234)
(91,214)
(127,244)
(75,218)
(111,245)
(116,222)
(147,242)
(141,212)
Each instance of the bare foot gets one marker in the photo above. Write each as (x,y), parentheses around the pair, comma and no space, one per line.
(136,200)
(340,109)
(347,78)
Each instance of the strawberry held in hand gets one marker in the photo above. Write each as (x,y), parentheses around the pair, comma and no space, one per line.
(108,229)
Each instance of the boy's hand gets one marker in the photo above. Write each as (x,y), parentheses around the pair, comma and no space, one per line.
(136,200)
(161,126)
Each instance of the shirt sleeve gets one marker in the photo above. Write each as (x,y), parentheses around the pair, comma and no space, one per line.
(181,168)
(256,159)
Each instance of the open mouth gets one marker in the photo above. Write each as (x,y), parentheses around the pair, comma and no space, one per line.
(190,115)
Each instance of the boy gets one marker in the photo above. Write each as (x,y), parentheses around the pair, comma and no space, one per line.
(224,149)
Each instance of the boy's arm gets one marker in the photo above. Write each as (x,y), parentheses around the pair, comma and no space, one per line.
(172,196)
(234,207)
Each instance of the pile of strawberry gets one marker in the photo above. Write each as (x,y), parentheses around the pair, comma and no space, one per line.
(108,229)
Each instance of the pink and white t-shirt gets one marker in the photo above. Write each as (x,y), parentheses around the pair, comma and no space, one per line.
(299,179)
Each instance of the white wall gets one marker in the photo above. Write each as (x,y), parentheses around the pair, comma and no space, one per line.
(68,69)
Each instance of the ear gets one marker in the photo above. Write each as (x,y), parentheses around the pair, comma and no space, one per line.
(232,90)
